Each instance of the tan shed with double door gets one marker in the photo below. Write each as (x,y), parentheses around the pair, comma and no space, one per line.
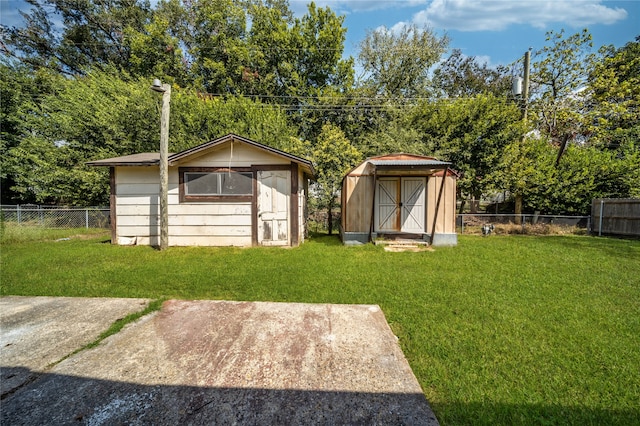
(231,191)
(399,195)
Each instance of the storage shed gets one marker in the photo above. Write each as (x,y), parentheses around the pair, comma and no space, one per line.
(399,195)
(231,191)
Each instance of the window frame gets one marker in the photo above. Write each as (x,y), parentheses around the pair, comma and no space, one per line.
(185,198)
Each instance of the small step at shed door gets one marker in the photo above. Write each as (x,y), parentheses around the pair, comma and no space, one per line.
(274,188)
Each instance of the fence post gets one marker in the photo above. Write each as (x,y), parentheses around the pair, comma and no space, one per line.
(86,218)
(600,224)
(18,211)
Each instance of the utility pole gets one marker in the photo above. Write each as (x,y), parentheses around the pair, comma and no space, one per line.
(525,100)
(165,89)
(525,89)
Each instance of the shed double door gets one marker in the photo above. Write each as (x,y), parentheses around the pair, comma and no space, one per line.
(400,204)
(274,188)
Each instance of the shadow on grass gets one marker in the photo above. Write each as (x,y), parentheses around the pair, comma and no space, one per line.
(616,247)
(62,399)
(531,414)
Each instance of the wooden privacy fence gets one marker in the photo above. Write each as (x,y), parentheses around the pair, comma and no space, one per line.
(611,216)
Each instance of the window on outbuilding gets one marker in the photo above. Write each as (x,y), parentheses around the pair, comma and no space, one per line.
(203,184)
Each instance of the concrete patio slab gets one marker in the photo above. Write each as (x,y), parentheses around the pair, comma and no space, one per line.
(216,362)
(38,331)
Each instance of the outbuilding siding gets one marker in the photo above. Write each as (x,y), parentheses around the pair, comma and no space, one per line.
(211,219)
(416,178)
(137,211)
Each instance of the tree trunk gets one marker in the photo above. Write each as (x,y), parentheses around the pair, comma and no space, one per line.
(475,203)
(330,218)
(518,209)
(462,204)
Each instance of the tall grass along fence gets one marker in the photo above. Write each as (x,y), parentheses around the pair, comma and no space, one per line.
(616,216)
(522,224)
(55,217)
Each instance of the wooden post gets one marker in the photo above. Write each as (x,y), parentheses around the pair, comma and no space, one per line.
(164,167)
(600,219)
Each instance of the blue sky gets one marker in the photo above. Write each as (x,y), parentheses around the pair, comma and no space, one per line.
(495,31)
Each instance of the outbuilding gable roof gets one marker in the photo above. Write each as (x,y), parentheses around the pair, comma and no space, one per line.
(400,161)
(153,158)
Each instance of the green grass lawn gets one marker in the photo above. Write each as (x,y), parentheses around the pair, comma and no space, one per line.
(498,330)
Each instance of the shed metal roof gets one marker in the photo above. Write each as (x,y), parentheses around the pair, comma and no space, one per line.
(421,163)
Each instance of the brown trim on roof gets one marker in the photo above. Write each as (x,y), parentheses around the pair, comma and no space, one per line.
(141,159)
(450,172)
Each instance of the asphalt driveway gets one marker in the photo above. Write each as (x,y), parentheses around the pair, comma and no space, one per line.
(203,362)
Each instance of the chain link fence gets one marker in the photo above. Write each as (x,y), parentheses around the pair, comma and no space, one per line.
(522,224)
(98,217)
(55,217)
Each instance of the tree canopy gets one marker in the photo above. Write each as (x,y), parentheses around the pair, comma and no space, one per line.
(75,87)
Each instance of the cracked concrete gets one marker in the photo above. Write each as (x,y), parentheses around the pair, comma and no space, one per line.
(217,362)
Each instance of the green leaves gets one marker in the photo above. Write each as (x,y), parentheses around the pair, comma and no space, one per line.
(614,87)
(398,63)
(471,133)
(333,157)
(98,116)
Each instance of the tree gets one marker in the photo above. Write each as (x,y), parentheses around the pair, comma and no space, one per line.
(333,157)
(155,52)
(98,116)
(526,169)
(320,72)
(93,34)
(462,76)
(614,93)
(397,63)
(215,38)
(471,133)
(21,92)
(270,71)
(559,74)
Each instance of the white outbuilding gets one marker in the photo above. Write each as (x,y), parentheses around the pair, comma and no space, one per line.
(231,191)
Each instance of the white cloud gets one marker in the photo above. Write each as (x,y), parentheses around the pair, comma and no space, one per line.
(349,6)
(496,15)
